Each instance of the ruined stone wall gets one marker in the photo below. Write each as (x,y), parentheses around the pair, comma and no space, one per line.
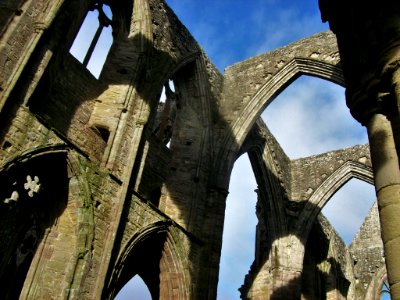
(251,85)
(129,205)
(368,258)
(316,169)
(319,255)
(65,102)
(327,272)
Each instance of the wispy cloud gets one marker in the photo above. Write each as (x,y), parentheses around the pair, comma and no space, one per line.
(348,208)
(285,25)
(232,31)
(311,117)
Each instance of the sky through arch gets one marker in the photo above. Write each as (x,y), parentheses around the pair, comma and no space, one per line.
(232,31)
(238,243)
(310,117)
(135,289)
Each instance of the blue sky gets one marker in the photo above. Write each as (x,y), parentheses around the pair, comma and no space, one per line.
(234,30)
(309,117)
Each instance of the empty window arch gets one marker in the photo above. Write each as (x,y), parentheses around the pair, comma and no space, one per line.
(94,39)
(135,289)
(166,113)
(348,208)
(238,245)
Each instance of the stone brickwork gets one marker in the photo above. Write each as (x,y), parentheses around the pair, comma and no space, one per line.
(367,254)
(92,195)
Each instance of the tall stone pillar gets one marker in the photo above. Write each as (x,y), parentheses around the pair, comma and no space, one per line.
(395,83)
(368,36)
(387,184)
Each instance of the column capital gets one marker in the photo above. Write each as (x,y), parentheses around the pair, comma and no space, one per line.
(372,97)
(368,36)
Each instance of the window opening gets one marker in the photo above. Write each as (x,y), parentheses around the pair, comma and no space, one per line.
(92,44)
(104,132)
(166,113)
(348,208)
(238,243)
(134,289)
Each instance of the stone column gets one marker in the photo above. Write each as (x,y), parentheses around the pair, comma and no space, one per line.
(387,184)
(395,91)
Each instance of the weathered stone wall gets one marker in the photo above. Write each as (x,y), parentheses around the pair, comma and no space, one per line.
(327,270)
(65,102)
(129,204)
(368,259)
(309,173)
(8,11)
(251,85)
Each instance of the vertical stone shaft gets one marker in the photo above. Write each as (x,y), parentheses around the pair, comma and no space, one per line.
(387,184)
(395,90)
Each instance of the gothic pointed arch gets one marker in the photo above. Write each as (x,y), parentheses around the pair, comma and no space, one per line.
(327,188)
(152,254)
(42,203)
(272,78)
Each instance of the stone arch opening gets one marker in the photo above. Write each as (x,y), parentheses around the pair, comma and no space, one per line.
(33,196)
(327,189)
(238,239)
(385,290)
(40,202)
(166,113)
(189,140)
(150,254)
(264,95)
(348,208)
(273,87)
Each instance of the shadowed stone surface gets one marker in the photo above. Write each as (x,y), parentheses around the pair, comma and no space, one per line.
(101,182)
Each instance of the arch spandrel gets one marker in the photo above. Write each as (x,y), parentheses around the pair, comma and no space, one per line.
(251,85)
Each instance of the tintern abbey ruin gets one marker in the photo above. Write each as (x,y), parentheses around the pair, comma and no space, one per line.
(102,181)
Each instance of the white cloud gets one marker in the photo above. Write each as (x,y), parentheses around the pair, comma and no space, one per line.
(285,25)
(311,117)
(348,208)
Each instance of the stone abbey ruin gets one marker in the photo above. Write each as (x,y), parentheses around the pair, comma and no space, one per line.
(91,195)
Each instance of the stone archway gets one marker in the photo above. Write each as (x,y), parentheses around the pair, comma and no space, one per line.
(327,188)
(42,205)
(152,254)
